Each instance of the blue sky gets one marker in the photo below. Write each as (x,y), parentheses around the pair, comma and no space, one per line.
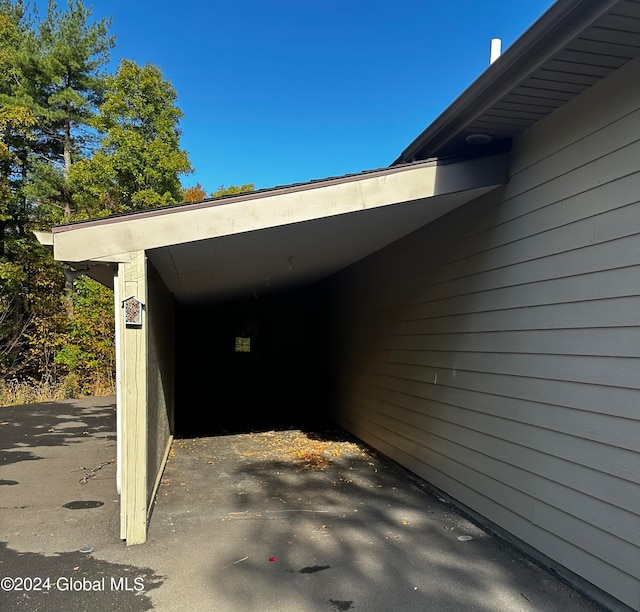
(284,91)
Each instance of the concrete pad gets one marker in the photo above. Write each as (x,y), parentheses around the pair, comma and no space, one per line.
(271,520)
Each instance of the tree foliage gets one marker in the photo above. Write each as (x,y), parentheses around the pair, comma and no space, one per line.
(232,190)
(194,194)
(76,142)
(50,85)
(70,54)
(197,192)
(88,350)
(139,160)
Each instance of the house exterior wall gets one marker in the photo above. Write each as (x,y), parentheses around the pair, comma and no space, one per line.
(496,351)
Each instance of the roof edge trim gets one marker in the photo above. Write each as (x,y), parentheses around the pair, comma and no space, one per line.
(554,28)
(44,238)
(255,195)
(113,237)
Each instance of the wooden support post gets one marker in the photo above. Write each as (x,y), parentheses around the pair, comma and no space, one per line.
(132,277)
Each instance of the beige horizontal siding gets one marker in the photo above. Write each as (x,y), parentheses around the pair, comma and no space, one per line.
(616,462)
(526,470)
(572,420)
(586,478)
(496,352)
(505,506)
(611,312)
(623,341)
(578,288)
(623,403)
(418,365)
(534,240)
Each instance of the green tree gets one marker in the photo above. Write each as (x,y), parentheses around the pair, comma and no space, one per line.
(50,85)
(87,355)
(72,52)
(139,162)
(74,143)
(17,125)
(43,296)
(232,190)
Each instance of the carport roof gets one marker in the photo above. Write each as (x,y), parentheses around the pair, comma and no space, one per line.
(281,238)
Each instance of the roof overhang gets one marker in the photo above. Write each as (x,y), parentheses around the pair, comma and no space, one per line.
(573,45)
(279,238)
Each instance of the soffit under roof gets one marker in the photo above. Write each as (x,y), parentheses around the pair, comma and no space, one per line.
(568,49)
(259,243)
(294,255)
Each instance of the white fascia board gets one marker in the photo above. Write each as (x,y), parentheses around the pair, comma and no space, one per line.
(44,238)
(111,237)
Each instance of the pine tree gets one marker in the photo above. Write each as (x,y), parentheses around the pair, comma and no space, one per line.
(73,52)
(50,86)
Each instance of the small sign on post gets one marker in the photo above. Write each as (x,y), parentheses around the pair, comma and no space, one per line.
(132,311)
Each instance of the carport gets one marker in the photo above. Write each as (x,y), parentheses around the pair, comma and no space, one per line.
(490,348)
(219,304)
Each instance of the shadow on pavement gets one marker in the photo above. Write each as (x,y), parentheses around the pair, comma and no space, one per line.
(354,532)
(77,581)
(37,425)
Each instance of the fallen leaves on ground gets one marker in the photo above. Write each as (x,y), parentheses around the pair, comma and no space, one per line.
(304,451)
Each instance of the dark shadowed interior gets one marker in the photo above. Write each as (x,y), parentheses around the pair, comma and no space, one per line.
(250,364)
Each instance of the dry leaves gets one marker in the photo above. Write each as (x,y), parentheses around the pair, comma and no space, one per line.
(303,451)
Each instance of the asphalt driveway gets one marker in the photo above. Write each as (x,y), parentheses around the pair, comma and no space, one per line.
(283,520)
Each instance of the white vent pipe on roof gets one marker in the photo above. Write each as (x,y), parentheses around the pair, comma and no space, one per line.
(496,49)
